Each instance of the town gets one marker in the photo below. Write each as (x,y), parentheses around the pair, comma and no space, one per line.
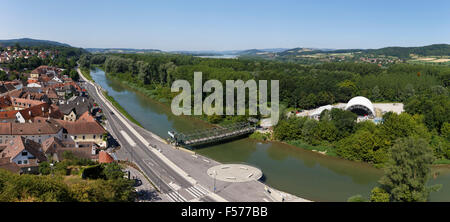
(46,116)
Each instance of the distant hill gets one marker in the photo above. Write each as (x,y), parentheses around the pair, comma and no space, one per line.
(400,52)
(252,52)
(404,52)
(27,42)
(122,50)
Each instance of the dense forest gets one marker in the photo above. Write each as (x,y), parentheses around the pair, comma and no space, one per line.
(422,88)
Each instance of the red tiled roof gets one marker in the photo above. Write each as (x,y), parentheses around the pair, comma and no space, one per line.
(5,128)
(42,110)
(36,128)
(104,157)
(86,117)
(8,114)
(25,103)
(10,166)
(82,127)
(18,144)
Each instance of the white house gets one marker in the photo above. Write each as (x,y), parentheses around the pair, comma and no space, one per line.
(34,84)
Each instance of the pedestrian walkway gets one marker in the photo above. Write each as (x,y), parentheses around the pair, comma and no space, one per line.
(193,193)
(197,191)
(176,197)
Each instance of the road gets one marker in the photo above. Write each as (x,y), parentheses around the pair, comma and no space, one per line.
(166,179)
(180,175)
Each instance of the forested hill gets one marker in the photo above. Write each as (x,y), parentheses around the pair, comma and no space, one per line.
(404,52)
(400,52)
(27,42)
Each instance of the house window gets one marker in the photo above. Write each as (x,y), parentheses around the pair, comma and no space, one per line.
(25,161)
(75,137)
(24,153)
(84,137)
(19,162)
(95,136)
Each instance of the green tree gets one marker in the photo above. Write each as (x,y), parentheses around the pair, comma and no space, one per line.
(74,75)
(44,168)
(112,171)
(356,198)
(408,170)
(379,195)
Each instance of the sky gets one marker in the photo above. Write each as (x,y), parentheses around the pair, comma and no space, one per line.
(228,25)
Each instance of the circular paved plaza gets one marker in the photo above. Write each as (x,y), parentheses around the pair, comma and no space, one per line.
(234,173)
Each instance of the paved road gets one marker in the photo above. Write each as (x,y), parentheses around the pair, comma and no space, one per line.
(163,176)
(174,172)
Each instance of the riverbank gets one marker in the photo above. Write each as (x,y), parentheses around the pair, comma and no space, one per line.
(311,175)
(120,108)
(195,169)
(157,95)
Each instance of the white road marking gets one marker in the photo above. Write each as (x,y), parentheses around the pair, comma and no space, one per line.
(205,191)
(176,197)
(174,186)
(127,138)
(196,192)
(190,192)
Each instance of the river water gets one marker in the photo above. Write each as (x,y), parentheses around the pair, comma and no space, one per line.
(301,172)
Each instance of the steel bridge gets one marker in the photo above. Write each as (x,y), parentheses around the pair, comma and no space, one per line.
(212,135)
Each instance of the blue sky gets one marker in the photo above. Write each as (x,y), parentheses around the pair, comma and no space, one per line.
(228,25)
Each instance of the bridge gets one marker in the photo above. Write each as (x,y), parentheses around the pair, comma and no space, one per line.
(212,135)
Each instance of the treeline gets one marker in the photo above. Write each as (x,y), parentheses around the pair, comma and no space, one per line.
(404,52)
(301,86)
(423,89)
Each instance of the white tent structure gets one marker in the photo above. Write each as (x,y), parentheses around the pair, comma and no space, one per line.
(360,105)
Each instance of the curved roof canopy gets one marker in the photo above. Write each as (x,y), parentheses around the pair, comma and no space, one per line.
(360,102)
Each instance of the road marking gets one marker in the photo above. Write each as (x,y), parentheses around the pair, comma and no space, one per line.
(196,192)
(184,199)
(202,188)
(191,193)
(173,197)
(176,197)
(174,185)
(162,157)
(127,138)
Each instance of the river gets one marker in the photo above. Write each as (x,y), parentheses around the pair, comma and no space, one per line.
(301,172)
